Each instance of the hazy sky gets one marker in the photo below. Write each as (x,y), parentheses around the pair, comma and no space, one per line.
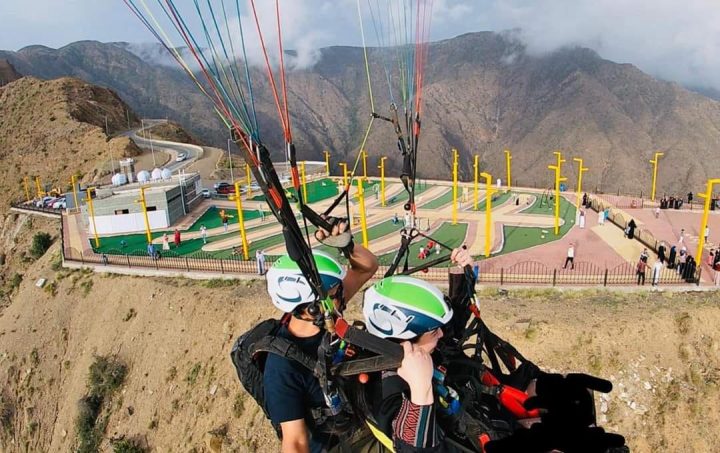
(671,39)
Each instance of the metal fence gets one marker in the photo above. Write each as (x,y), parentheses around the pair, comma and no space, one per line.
(523,273)
(29,206)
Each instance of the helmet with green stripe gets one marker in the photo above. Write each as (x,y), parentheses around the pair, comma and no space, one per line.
(404,308)
(288,287)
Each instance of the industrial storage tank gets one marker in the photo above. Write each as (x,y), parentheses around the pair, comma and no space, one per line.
(166,174)
(143,176)
(119,179)
(156,174)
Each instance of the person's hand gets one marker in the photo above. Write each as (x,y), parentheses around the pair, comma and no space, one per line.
(417,370)
(461,257)
(566,400)
(339,228)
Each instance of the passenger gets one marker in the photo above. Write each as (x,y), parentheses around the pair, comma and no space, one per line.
(291,391)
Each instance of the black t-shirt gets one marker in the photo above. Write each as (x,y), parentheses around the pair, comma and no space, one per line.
(291,389)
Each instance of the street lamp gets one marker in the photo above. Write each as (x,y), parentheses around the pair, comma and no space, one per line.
(455,183)
(489,190)
(88,193)
(703,223)
(152,150)
(581,170)
(654,161)
(508,158)
(558,179)
(382,181)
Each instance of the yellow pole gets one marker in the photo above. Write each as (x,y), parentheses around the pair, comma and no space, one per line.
(73,181)
(455,182)
(363,219)
(556,168)
(476,168)
(303,180)
(27,189)
(654,161)
(703,223)
(488,212)
(92,215)
(241,222)
(37,186)
(248,175)
(327,163)
(508,158)
(382,181)
(581,170)
(364,158)
(143,203)
(344,175)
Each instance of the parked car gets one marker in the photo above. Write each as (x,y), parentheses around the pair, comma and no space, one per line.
(206,193)
(224,188)
(60,203)
(41,202)
(218,184)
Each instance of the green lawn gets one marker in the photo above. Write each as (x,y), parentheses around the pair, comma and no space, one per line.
(374,232)
(316,191)
(137,243)
(211,218)
(448,234)
(497,200)
(440,201)
(518,238)
(402,197)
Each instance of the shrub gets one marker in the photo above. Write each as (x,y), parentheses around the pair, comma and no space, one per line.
(127,446)
(15,281)
(106,376)
(40,244)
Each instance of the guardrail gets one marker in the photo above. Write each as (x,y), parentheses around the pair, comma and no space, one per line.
(28,206)
(523,273)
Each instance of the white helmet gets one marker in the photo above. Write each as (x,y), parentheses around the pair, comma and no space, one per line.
(404,308)
(288,287)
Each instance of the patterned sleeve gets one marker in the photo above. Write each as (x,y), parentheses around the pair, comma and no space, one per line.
(415,425)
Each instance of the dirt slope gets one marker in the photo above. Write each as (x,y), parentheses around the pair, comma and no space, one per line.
(661,350)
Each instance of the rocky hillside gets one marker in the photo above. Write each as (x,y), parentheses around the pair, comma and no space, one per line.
(178,390)
(54,129)
(7,73)
(483,94)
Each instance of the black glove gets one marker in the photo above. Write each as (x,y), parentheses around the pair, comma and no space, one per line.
(567,401)
(541,438)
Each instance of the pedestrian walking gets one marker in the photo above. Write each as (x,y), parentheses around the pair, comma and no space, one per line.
(644,255)
(681,239)
(177,238)
(570,257)
(657,212)
(640,269)
(707,233)
(656,271)
(601,217)
(151,250)
(203,233)
(225,222)
(582,218)
(260,258)
(630,231)
(165,242)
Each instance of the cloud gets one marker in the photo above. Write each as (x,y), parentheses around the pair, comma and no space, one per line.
(670,39)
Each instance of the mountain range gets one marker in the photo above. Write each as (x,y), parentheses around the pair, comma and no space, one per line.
(483,94)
